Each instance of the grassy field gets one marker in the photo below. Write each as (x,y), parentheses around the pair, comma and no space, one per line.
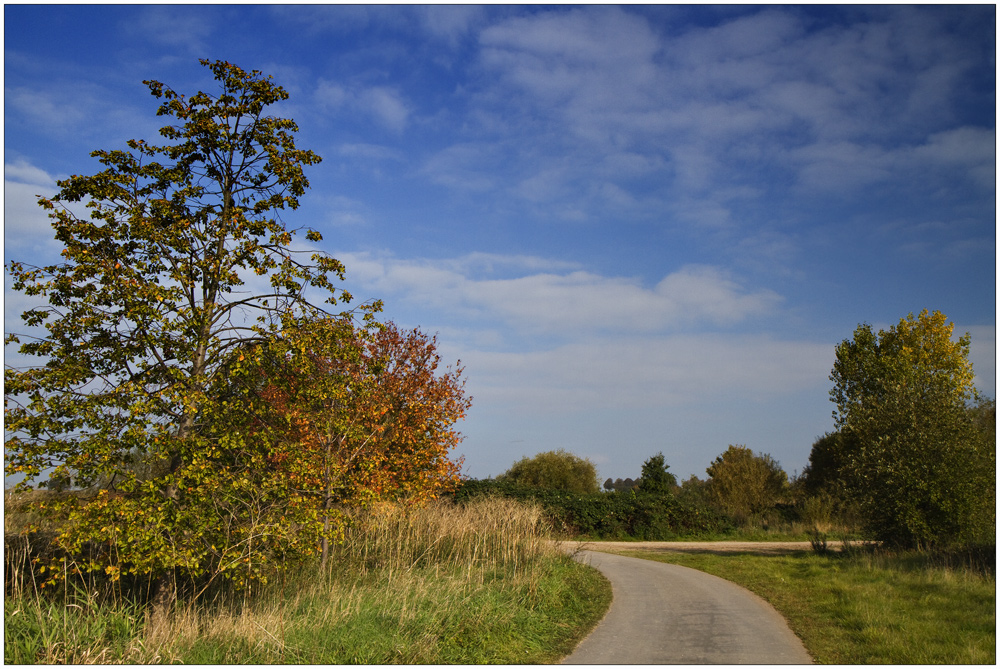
(869,608)
(443,585)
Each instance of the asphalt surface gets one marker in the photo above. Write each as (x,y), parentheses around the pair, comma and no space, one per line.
(668,614)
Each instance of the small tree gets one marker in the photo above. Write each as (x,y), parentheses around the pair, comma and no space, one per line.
(655,477)
(743,484)
(921,464)
(359,415)
(555,470)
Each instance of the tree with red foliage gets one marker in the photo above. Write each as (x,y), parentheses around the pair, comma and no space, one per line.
(365,415)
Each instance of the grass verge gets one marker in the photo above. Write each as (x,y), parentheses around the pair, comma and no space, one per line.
(448,584)
(867,608)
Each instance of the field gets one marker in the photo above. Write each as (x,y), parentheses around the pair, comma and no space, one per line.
(863,606)
(447,584)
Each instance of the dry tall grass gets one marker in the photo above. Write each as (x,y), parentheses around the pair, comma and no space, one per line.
(489,532)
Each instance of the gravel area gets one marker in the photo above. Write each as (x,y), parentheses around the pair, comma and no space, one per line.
(720,547)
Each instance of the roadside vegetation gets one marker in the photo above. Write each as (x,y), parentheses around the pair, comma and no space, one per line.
(444,584)
(867,606)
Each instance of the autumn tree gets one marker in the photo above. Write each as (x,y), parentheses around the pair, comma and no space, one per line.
(361,414)
(744,484)
(921,462)
(179,266)
(555,470)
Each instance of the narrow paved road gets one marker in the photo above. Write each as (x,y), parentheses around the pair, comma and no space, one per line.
(668,614)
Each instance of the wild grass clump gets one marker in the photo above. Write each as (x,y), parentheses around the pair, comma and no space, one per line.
(975,562)
(446,583)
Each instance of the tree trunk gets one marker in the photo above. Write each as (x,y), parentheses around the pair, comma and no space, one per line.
(327,504)
(164,599)
(326,540)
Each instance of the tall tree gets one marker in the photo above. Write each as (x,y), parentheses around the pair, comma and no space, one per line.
(149,317)
(920,463)
(826,469)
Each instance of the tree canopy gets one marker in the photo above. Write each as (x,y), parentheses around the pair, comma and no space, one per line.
(744,484)
(655,477)
(918,457)
(555,470)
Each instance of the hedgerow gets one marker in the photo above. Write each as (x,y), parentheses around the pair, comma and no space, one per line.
(632,514)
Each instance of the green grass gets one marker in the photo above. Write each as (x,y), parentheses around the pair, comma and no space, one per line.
(71,629)
(864,608)
(425,616)
(448,584)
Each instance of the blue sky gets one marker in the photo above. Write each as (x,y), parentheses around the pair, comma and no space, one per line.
(640,228)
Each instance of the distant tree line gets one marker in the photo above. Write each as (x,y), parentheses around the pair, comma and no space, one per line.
(911,463)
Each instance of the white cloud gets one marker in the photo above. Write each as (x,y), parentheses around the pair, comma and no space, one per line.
(182,30)
(835,106)
(384,103)
(839,166)
(57,110)
(983,355)
(591,35)
(554,301)
(633,373)
(464,166)
(369,151)
(758,34)
(450,23)
(26,173)
(28,234)
(387,105)
(967,148)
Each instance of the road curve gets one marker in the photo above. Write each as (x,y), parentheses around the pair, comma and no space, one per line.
(668,614)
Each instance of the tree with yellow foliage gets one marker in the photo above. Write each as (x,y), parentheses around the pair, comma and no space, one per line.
(919,463)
